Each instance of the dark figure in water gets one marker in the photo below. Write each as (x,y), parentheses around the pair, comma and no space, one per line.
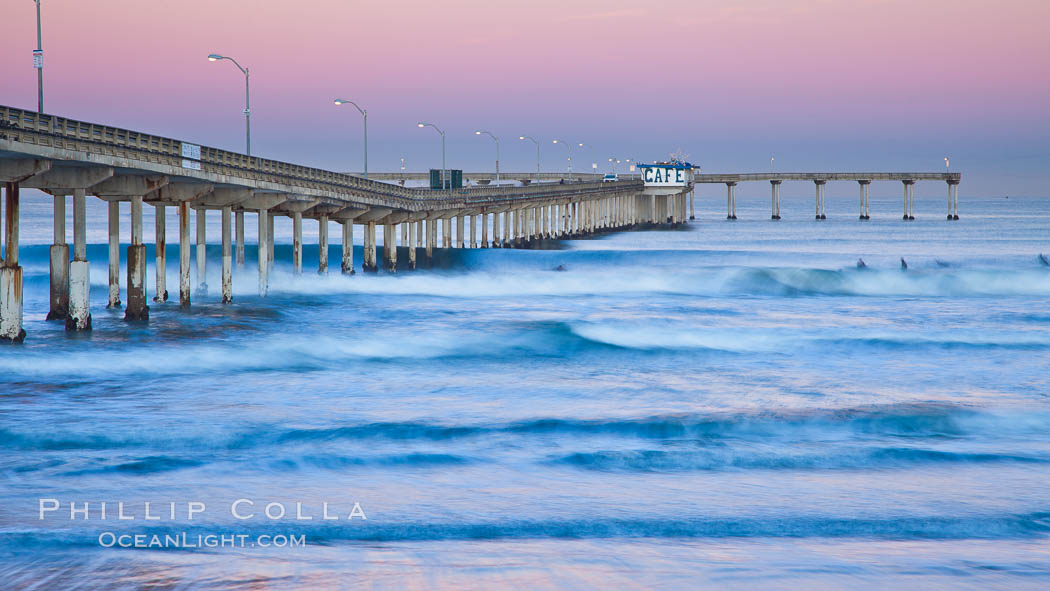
(861,264)
(560,268)
(1042,259)
(943,264)
(904,265)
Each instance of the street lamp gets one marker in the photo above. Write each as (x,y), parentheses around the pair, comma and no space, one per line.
(525,137)
(444,173)
(213,57)
(568,148)
(38,63)
(770,164)
(489,133)
(364,113)
(946,169)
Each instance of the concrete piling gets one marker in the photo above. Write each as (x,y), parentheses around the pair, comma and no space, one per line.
(264,249)
(10,272)
(390,247)
(161,294)
(370,262)
(953,200)
(270,260)
(909,200)
(184,254)
(202,251)
(484,230)
(322,245)
(137,310)
(240,238)
(865,186)
(114,254)
(431,231)
(460,227)
(413,230)
(297,243)
(347,265)
(79,317)
(59,258)
(227,257)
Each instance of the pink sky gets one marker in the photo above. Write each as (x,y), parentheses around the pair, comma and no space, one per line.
(831,84)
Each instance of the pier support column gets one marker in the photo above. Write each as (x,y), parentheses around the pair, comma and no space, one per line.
(731,201)
(909,196)
(820,199)
(431,236)
(692,198)
(484,218)
(347,265)
(114,255)
(953,200)
(370,263)
(502,234)
(473,226)
(137,310)
(59,300)
(775,205)
(160,245)
(10,273)
(322,245)
(390,247)
(413,230)
(264,249)
(240,238)
(184,254)
(202,252)
(460,231)
(227,256)
(270,256)
(864,185)
(79,317)
(297,243)
(446,233)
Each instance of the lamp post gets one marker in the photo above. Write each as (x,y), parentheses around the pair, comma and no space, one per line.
(364,113)
(770,164)
(38,63)
(247,102)
(525,137)
(946,169)
(489,133)
(444,173)
(568,148)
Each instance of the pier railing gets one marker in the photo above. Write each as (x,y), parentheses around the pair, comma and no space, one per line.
(61,133)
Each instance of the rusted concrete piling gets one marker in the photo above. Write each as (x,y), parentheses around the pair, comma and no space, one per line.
(59,264)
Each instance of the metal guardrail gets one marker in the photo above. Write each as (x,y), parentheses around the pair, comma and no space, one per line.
(80,136)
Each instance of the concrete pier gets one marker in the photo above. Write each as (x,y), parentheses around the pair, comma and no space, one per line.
(239,221)
(59,259)
(137,310)
(114,254)
(184,254)
(10,272)
(270,260)
(161,294)
(461,224)
(431,231)
(322,245)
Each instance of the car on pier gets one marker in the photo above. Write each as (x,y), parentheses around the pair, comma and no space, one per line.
(609,177)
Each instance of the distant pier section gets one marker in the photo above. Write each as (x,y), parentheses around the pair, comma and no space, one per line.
(72,159)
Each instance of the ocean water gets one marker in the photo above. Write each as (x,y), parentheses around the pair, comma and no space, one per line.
(728,405)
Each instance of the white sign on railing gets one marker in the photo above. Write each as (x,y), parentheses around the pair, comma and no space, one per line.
(191,155)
